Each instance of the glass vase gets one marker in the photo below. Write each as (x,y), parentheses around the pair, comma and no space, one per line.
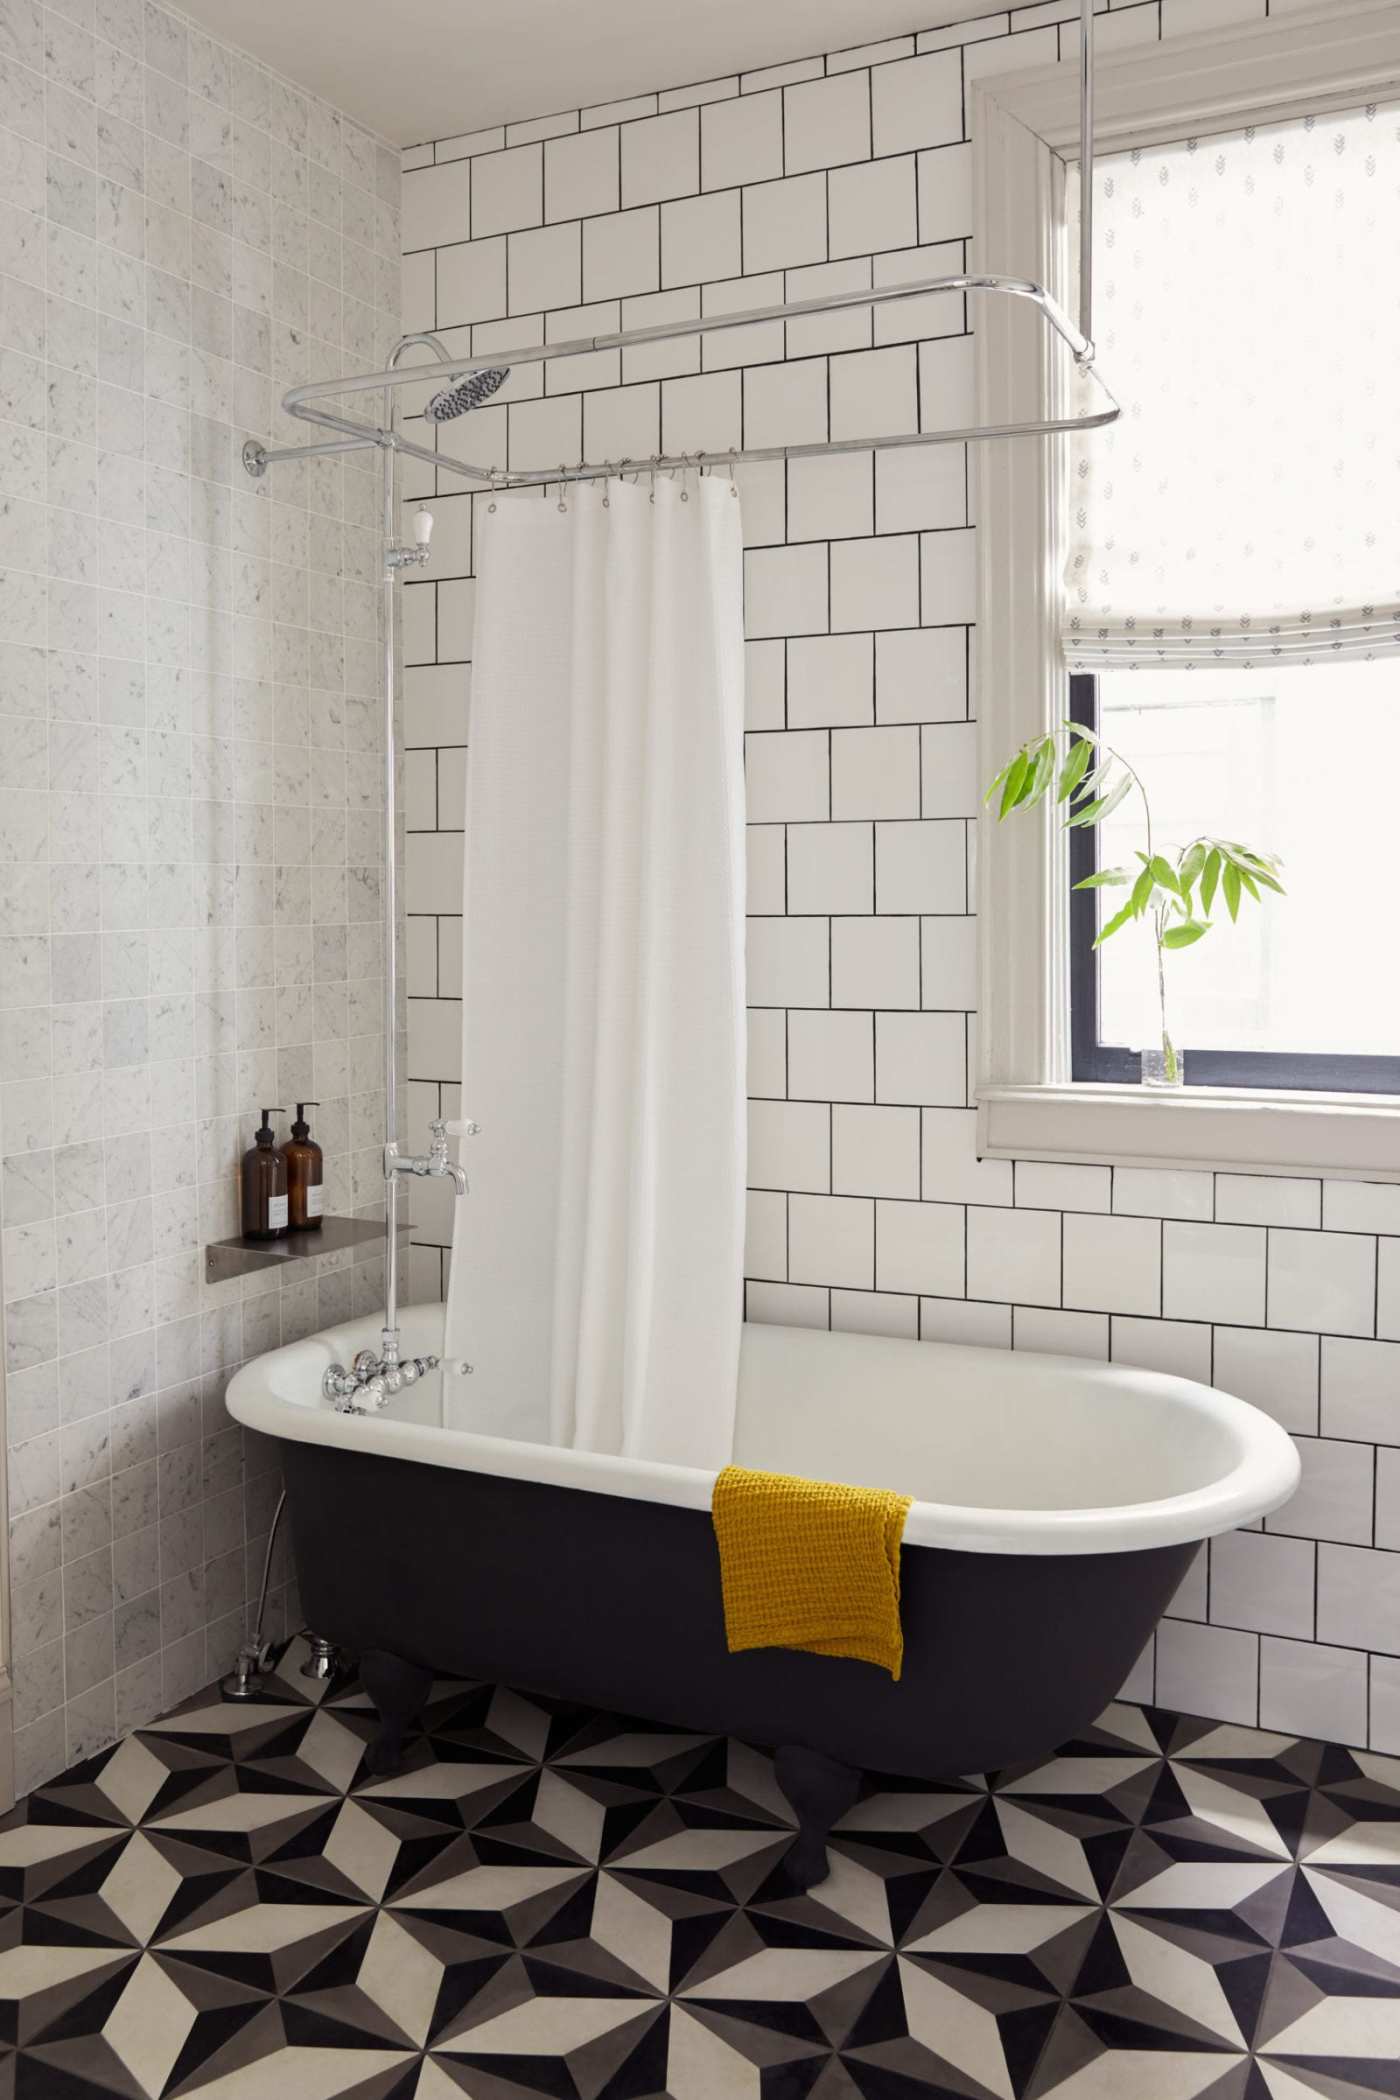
(1164,1065)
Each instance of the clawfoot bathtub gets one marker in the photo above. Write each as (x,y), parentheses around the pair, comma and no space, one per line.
(1058,1503)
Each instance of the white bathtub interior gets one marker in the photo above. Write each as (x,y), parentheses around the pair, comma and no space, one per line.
(999,1451)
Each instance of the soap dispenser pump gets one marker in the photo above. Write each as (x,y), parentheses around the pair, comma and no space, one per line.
(264,1185)
(304,1167)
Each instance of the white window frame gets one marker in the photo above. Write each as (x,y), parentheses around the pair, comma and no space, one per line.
(1025,135)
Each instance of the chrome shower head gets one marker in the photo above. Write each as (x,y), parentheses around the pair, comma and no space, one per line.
(468,393)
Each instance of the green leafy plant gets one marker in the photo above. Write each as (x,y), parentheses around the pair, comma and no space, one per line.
(1174,893)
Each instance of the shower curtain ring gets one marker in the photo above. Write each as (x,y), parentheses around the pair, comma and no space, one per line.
(655,463)
(685,493)
(733,455)
(495,482)
(563,506)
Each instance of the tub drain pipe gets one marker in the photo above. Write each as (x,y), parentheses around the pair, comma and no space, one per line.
(254,1656)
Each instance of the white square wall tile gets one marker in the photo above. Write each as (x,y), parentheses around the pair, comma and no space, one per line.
(786,404)
(948,755)
(1361,1206)
(831,1240)
(949,586)
(544,269)
(949,964)
(921,1059)
(919,1247)
(1276,1372)
(921,675)
(921,490)
(875,1151)
(1361,1389)
(507,190)
(787,1305)
(1262,1583)
(767,1052)
(971,1326)
(765,679)
(790,1146)
(1388,1498)
(1163,1192)
(1208,1670)
(1014,1256)
(1358,1597)
(917,102)
(875,772)
(830,680)
(831,1056)
(873,393)
(741,140)
(952,1171)
(700,239)
(872,207)
(1311,1690)
(1181,1348)
(1323,1280)
(622,254)
(1335,1497)
(830,498)
(581,174)
(471,282)
(785,591)
(1049,1332)
(830,868)
(435,206)
(702,414)
(1213,1272)
(784,223)
(765,1235)
(945,194)
(875,583)
(661,158)
(875,962)
(787,776)
(787,962)
(920,867)
(875,1312)
(1112,1264)
(1267,1199)
(766,866)
(1046,1185)
(826,122)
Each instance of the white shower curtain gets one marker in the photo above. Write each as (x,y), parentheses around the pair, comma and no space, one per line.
(596,1274)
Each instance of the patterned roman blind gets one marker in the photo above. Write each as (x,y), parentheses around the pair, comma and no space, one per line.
(1246,509)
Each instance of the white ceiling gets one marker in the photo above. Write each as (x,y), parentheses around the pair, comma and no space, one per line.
(426,69)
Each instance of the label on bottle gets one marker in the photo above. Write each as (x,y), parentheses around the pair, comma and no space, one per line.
(276,1213)
(313,1199)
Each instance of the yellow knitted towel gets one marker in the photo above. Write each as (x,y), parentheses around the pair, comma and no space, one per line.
(810,1564)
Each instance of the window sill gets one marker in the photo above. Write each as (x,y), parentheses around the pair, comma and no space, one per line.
(1243,1130)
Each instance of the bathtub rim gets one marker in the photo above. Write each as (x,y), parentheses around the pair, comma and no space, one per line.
(1263,1478)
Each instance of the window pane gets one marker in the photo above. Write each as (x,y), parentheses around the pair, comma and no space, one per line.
(1298,762)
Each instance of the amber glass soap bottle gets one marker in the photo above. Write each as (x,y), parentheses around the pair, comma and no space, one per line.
(264,1185)
(303,1157)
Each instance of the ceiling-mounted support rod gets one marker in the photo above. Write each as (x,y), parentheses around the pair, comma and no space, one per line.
(1086,181)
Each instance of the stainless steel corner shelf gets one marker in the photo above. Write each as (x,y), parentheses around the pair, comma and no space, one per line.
(225,1259)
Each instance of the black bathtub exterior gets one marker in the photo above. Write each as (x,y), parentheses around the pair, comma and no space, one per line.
(616,1604)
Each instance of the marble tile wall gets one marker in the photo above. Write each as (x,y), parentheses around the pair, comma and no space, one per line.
(189,843)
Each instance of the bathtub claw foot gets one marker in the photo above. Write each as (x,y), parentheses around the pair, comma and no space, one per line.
(400,1691)
(819,1791)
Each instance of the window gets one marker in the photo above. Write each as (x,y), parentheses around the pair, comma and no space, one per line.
(1233,595)
(1302,992)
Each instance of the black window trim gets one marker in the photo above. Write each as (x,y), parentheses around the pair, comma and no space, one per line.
(1107,1063)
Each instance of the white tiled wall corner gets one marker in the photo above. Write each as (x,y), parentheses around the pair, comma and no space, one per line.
(192,929)
(870,1208)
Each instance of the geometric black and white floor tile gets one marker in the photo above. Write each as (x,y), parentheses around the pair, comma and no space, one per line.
(552,1902)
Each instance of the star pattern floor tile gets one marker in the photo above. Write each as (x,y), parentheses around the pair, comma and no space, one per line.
(553,1904)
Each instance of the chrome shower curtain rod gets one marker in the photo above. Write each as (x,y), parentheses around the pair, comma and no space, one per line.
(307,402)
